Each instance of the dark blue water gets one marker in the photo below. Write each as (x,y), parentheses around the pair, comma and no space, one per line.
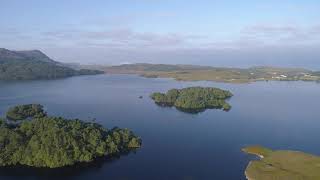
(176,145)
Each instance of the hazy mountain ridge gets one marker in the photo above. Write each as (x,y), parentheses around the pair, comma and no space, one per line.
(26,55)
(156,67)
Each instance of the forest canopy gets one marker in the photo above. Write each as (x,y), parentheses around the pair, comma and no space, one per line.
(194,98)
(54,142)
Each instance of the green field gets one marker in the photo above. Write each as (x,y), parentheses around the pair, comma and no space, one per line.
(282,165)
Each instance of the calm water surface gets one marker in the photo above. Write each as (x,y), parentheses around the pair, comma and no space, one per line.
(176,145)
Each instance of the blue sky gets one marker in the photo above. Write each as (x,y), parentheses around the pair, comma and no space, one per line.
(231,33)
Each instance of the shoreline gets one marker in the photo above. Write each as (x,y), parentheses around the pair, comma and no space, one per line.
(259,155)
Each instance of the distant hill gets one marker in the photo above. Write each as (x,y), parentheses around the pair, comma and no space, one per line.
(31,65)
(219,74)
(143,67)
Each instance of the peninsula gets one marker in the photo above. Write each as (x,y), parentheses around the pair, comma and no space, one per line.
(194,99)
(282,164)
(53,142)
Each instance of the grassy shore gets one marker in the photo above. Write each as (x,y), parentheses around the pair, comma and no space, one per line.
(282,165)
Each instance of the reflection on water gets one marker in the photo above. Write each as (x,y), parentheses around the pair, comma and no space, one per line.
(176,145)
(64,172)
(190,111)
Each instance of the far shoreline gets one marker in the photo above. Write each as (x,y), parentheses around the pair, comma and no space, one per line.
(215,74)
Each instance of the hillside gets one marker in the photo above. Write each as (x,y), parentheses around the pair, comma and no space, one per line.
(194,99)
(31,65)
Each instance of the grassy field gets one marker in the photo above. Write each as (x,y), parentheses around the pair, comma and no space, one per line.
(201,75)
(282,165)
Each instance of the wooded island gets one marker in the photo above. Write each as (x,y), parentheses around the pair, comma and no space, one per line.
(44,141)
(194,99)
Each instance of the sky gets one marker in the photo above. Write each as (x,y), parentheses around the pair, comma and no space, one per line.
(206,32)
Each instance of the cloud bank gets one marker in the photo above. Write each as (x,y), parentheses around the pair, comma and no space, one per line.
(259,44)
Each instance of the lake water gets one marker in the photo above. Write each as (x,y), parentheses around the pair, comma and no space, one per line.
(176,145)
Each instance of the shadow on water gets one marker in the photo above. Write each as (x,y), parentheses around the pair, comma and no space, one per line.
(190,111)
(63,172)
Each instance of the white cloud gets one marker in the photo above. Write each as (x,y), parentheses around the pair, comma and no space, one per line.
(114,44)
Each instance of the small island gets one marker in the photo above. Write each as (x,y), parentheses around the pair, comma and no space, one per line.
(282,164)
(38,140)
(25,111)
(194,99)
